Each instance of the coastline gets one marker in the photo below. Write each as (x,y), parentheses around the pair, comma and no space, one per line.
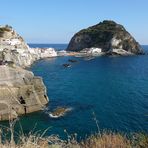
(37,61)
(43,53)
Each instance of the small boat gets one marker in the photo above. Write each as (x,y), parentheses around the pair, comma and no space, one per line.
(67,65)
(88,58)
(72,61)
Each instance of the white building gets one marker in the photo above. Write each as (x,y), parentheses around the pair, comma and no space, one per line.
(49,52)
(12,42)
(94,50)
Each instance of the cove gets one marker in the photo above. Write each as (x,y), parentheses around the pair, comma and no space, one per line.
(114,88)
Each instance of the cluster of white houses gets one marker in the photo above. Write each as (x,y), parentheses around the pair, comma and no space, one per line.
(12,42)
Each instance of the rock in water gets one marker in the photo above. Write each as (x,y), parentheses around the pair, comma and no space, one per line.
(59,112)
(107,35)
(20,92)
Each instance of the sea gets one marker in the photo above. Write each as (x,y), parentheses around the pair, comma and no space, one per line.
(105,93)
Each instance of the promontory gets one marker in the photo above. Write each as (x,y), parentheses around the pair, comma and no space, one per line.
(107,37)
(20,91)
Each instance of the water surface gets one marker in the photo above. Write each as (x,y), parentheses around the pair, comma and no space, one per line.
(114,88)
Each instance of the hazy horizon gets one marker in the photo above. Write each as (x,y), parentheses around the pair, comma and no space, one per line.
(57,21)
(67,43)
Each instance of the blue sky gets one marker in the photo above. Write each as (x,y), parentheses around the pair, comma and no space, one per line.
(56,21)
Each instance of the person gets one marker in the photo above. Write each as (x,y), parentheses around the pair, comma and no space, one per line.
(23,102)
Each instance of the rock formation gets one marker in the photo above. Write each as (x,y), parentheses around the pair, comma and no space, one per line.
(106,36)
(20,91)
(14,49)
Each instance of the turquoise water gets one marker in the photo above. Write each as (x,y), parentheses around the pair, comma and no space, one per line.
(114,88)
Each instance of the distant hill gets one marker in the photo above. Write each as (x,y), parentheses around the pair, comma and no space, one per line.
(107,35)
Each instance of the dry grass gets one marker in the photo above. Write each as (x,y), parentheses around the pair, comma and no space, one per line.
(30,142)
(100,140)
(106,140)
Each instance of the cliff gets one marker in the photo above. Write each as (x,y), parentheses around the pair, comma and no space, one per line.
(14,49)
(107,36)
(20,92)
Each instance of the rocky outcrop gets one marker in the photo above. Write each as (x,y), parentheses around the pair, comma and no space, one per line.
(20,92)
(106,36)
(59,112)
(13,48)
(10,39)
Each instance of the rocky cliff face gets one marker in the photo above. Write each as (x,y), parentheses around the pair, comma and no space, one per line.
(20,92)
(13,48)
(107,36)
(10,39)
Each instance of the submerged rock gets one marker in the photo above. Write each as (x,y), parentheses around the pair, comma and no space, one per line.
(59,112)
(105,36)
(20,92)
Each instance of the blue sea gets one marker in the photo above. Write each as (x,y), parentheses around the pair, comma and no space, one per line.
(111,90)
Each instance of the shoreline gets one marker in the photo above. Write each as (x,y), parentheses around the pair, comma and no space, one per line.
(56,55)
(83,55)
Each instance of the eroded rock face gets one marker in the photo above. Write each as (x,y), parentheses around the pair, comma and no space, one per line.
(10,39)
(107,36)
(16,84)
(20,91)
(13,48)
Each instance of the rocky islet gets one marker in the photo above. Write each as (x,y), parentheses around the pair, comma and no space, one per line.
(105,37)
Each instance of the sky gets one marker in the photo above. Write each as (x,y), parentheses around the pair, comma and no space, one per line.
(56,21)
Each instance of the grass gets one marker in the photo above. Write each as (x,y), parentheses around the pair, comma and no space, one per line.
(99,140)
(107,140)
(2,30)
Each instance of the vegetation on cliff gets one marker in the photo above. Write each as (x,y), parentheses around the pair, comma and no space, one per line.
(37,139)
(98,140)
(106,35)
(4,29)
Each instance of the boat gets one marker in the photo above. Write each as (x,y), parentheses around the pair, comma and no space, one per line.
(72,60)
(67,65)
(89,58)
